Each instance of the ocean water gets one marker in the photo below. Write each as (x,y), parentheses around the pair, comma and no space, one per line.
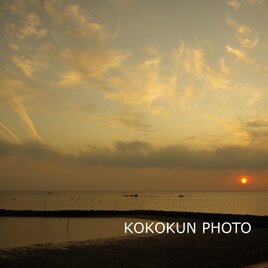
(20,231)
(253,203)
(16,231)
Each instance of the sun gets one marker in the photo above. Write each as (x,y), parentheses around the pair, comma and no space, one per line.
(244,180)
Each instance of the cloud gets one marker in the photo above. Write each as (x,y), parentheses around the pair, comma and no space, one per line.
(143,85)
(139,154)
(8,133)
(194,62)
(243,34)
(133,120)
(73,19)
(75,51)
(240,54)
(255,2)
(70,78)
(234,4)
(130,119)
(256,128)
(189,94)
(15,90)
(13,46)
(32,26)
(21,110)
(253,131)
(83,22)
(235,128)
(246,40)
(26,65)
(17,7)
(31,149)
(133,147)
(93,63)
(258,121)
(254,99)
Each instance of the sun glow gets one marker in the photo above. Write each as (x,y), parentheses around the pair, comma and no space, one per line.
(244,180)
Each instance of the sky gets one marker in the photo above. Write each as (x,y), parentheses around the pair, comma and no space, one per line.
(133,95)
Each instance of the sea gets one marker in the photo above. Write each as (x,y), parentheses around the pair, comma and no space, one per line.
(253,203)
(27,231)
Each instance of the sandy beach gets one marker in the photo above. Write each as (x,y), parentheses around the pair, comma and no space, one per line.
(185,250)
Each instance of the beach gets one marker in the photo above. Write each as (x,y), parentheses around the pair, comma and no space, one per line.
(184,250)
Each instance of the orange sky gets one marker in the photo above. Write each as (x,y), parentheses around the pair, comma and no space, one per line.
(132,94)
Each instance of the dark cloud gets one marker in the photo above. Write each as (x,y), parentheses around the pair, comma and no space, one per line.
(32,149)
(133,147)
(138,154)
(257,123)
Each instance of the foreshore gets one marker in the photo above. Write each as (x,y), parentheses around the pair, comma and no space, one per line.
(185,250)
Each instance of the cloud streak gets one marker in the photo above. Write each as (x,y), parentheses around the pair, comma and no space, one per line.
(10,133)
(15,89)
(19,107)
(240,54)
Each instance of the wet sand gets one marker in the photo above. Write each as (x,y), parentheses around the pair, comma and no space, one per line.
(185,250)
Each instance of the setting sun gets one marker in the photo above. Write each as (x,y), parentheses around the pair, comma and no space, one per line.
(244,180)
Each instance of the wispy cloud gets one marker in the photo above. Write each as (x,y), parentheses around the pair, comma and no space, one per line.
(94,63)
(32,26)
(133,120)
(234,127)
(70,78)
(244,35)
(240,55)
(81,22)
(256,128)
(194,61)
(142,85)
(234,4)
(256,96)
(27,65)
(70,54)
(188,95)
(246,43)
(251,130)
(51,62)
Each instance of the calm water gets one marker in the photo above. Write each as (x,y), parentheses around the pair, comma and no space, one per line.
(255,203)
(27,231)
(15,232)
